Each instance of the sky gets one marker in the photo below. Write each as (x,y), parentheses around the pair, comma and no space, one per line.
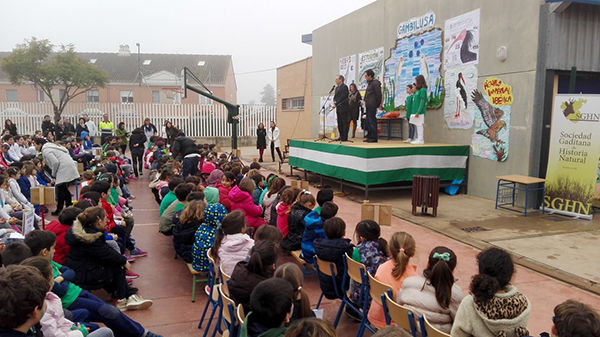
(260,35)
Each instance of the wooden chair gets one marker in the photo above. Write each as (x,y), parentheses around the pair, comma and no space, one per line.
(224,281)
(305,270)
(228,315)
(378,289)
(329,269)
(358,273)
(241,316)
(213,295)
(430,330)
(402,316)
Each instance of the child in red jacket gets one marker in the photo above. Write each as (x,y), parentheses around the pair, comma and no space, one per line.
(241,199)
(65,220)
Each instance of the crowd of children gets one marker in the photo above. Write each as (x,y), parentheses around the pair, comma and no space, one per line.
(217,208)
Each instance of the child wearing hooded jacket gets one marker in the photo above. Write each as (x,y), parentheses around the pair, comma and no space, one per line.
(314,229)
(241,199)
(304,204)
(232,244)
(284,207)
(205,235)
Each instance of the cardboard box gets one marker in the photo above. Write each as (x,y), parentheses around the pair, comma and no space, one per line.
(97,151)
(42,195)
(380,213)
(301,184)
(236,153)
(80,168)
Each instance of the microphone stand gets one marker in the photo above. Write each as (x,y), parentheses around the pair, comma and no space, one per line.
(324,137)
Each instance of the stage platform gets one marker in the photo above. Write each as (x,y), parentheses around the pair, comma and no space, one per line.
(377,164)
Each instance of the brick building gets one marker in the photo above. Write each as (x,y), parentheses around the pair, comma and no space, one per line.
(294,91)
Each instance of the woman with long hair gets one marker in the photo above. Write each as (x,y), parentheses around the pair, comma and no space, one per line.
(419,108)
(261,140)
(273,136)
(354,99)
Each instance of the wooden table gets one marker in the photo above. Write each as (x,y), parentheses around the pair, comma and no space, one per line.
(510,182)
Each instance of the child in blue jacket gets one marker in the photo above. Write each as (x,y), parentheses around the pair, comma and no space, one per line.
(314,229)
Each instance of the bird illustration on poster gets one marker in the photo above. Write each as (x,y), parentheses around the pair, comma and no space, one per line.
(459,112)
(461,39)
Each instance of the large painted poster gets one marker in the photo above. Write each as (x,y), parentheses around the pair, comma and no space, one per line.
(327,114)
(461,42)
(459,110)
(492,121)
(574,152)
(348,69)
(372,59)
(417,54)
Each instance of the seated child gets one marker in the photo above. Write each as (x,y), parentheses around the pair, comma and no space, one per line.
(268,233)
(259,182)
(205,235)
(332,249)
(185,225)
(323,196)
(66,217)
(227,182)
(270,309)
(573,318)
(304,204)
(232,244)
(315,327)
(288,196)
(246,275)
(241,199)
(166,222)
(291,272)
(270,194)
(22,294)
(54,323)
(314,229)
(170,197)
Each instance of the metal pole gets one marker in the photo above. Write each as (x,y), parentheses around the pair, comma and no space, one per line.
(572,80)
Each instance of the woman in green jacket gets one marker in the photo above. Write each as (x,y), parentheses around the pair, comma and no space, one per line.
(123,134)
(409,111)
(419,108)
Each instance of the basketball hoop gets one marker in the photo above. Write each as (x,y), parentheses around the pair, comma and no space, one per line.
(171,91)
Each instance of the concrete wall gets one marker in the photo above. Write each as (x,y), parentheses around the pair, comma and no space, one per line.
(510,23)
(294,80)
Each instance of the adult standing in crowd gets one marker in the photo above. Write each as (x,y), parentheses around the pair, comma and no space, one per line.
(273,135)
(93,129)
(106,128)
(149,129)
(186,149)
(81,127)
(63,168)
(47,125)
(137,147)
(354,100)
(122,133)
(69,127)
(11,127)
(261,140)
(59,130)
(373,99)
(342,109)
(170,132)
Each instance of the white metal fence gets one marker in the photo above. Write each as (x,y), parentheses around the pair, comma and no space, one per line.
(196,120)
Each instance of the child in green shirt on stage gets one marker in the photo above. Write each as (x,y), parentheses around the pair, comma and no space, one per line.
(410,90)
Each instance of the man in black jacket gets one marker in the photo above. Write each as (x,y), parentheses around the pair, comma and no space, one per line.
(373,99)
(186,148)
(47,125)
(340,103)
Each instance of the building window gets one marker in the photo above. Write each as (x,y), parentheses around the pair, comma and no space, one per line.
(296,103)
(92,96)
(126,96)
(41,96)
(155,97)
(12,95)
(61,93)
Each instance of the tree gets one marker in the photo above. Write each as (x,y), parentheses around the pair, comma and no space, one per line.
(268,95)
(36,62)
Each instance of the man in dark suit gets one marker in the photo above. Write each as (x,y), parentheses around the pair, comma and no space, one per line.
(340,103)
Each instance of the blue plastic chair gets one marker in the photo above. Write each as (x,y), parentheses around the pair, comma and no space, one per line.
(329,269)
(213,299)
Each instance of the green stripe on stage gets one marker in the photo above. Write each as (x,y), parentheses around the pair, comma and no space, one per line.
(374,178)
(382,152)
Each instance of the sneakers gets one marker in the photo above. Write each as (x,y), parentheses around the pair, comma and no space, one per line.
(130,258)
(150,334)
(132,197)
(138,253)
(122,304)
(136,302)
(131,275)
(129,281)
(408,140)
(417,142)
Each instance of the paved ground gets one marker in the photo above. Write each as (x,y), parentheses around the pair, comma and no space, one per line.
(168,282)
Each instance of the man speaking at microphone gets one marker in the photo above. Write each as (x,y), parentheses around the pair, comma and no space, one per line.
(340,103)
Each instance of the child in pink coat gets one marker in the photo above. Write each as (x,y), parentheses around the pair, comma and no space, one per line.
(241,199)
(232,244)
(285,207)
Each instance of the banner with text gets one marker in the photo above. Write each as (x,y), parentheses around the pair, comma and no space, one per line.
(574,153)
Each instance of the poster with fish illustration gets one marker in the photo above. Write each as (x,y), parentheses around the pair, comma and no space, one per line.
(417,54)
(492,120)
(372,59)
(459,110)
(348,69)
(461,41)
